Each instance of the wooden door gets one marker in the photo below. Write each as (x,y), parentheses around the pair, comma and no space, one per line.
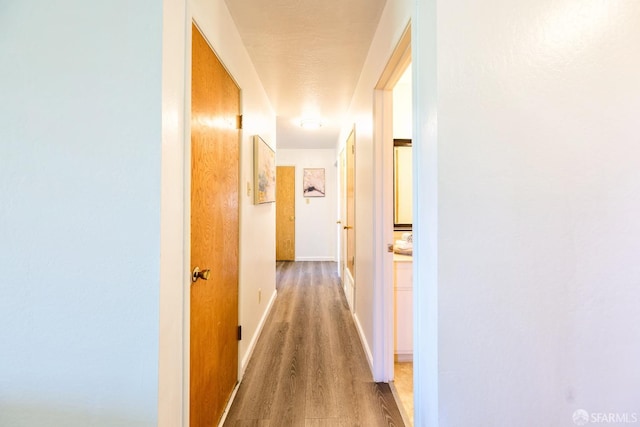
(343,214)
(350,226)
(285,213)
(215,99)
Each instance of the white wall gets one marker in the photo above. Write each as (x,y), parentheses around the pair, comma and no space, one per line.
(79,212)
(402,105)
(315,216)
(93,212)
(393,22)
(538,193)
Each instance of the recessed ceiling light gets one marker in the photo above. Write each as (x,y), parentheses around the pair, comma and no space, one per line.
(310,123)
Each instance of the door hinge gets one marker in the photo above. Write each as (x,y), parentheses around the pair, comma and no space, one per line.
(239,122)
(353,149)
(239,333)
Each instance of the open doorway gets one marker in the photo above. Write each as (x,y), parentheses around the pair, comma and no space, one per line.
(394,271)
(403,241)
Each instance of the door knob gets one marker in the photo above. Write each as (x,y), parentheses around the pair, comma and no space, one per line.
(291,218)
(347,227)
(200,274)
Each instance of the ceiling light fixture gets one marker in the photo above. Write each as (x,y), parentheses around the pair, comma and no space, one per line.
(310,124)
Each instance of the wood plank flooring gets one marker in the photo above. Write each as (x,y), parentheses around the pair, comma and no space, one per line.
(308,367)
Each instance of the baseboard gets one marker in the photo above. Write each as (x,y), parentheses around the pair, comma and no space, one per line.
(247,357)
(254,339)
(229,403)
(347,286)
(316,258)
(364,342)
(403,357)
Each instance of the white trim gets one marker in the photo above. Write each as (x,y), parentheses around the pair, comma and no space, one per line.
(404,357)
(363,341)
(316,258)
(229,403)
(173,374)
(342,214)
(349,289)
(186,339)
(425,213)
(254,339)
(383,310)
(247,357)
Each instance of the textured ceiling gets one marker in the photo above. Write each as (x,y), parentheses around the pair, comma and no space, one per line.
(308,54)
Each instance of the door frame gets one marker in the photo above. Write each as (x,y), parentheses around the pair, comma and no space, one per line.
(422,51)
(342,215)
(383,314)
(175,214)
(350,274)
(175,200)
(233,143)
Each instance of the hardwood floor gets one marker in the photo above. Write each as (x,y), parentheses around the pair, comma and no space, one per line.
(308,367)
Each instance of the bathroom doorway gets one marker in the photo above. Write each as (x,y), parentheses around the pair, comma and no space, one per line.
(403,241)
(394,272)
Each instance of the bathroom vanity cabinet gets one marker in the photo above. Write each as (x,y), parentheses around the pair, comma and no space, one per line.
(403,299)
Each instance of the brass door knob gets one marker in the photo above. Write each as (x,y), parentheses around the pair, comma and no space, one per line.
(347,227)
(200,274)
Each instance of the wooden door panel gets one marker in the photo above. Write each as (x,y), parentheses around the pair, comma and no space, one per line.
(350,227)
(343,213)
(215,99)
(285,213)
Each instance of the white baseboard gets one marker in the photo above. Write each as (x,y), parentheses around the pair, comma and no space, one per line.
(229,403)
(316,258)
(347,285)
(247,356)
(364,342)
(403,357)
(254,339)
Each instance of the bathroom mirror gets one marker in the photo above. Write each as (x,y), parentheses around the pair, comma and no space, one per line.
(402,184)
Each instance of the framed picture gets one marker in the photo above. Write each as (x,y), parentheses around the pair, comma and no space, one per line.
(313,182)
(264,172)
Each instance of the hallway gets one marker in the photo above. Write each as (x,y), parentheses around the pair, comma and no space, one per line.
(308,368)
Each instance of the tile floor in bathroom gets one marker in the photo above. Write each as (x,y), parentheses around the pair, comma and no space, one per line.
(404,386)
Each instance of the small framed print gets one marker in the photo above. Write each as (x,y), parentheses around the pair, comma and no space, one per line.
(264,174)
(313,182)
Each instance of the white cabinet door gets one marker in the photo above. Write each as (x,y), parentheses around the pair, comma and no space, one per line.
(403,328)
